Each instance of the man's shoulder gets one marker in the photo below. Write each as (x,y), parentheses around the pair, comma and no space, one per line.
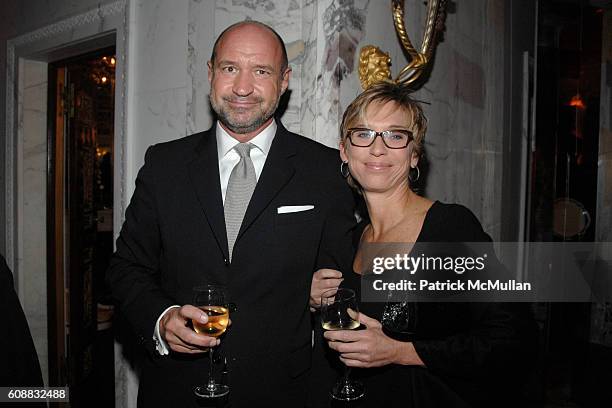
(186,143)
(313,148)
(313,144)
(178,149)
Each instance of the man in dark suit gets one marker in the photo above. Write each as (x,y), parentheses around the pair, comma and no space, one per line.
(19,367)
(180,232)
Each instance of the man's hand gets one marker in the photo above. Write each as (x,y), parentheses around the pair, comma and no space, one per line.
(323,280)
(181,338)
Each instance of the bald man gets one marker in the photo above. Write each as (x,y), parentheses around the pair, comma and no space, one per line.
(298,217)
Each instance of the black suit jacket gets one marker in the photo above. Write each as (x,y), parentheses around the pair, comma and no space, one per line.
(174,238)
(19,366)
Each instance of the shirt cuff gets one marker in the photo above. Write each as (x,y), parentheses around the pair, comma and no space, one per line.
(160,344)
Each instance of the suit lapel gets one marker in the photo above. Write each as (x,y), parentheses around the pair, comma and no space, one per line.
(204,174)
(277,172)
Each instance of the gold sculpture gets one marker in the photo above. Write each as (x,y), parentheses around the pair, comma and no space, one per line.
(374,64)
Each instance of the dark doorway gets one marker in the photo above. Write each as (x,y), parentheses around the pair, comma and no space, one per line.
(80,233)
(574,371)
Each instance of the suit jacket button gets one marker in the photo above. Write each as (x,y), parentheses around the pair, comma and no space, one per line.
(226,261)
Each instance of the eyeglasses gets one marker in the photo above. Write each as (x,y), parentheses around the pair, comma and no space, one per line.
(393,139)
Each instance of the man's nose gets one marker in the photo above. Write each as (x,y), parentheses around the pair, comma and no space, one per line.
(243,85)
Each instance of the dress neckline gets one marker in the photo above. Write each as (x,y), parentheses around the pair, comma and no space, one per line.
(418,239)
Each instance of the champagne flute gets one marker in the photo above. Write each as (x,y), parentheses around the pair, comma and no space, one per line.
(339,311)
(211,300)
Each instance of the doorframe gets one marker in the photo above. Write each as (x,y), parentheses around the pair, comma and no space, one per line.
(107,24)
(58,267)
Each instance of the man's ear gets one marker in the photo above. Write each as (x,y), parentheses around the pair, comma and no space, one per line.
(211,71)
(285,79)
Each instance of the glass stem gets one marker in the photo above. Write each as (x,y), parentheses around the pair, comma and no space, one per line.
(345,378)
(211,381)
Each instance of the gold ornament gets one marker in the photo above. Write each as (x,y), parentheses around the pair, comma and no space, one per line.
(374,63)
(373,66)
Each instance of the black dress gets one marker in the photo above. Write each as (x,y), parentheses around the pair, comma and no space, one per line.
(475,353)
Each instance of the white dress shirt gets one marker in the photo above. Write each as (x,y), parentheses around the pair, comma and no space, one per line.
(228,158)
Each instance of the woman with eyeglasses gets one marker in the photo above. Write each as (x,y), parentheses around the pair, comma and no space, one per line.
(455,354)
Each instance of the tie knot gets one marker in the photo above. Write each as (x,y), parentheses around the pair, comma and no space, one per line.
(243,149)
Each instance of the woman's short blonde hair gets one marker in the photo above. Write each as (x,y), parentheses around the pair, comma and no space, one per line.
(382,93)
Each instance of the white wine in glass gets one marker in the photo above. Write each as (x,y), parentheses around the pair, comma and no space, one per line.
(350,325)
(218,318)
(211,299)
(339,311)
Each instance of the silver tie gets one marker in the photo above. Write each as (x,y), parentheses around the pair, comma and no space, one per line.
(240,188)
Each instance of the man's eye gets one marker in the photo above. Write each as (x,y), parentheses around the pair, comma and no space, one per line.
(229,69)
(262,72)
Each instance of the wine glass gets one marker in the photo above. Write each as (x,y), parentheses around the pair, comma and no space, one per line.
(339,311)
(211,299)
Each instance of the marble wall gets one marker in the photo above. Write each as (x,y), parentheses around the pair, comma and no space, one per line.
(32,172)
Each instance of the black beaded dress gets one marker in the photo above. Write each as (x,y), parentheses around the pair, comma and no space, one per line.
(475,354)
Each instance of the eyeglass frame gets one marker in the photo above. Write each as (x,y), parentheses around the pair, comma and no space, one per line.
(350,131)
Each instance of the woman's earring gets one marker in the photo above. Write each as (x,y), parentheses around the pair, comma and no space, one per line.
(344,169)
(414,180)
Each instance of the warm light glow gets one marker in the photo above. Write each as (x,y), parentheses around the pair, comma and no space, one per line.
(577,102)
(113,61)
(104,79)
(101,151)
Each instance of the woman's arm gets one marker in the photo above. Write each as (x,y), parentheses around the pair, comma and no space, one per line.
(371,347)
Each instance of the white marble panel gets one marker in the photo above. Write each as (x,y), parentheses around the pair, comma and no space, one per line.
(283,16)
(159,59)
(160,116)
(341,27)
(32,127)
(126,381)
(308,74)
(161,44)
(201,31)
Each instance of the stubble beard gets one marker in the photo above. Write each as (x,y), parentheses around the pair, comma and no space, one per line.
(225,115)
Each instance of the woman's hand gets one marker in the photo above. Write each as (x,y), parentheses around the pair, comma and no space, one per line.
(371,347)
(323,280)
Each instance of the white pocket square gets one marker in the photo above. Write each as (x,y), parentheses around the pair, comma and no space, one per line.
(285,209)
